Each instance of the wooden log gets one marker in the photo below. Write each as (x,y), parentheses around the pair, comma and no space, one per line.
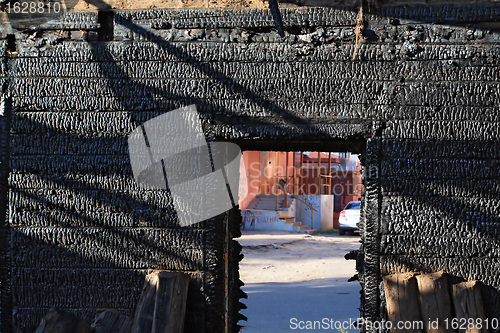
(111,321)
(57,321)
(162,306)
(170,304)
(143,318)
(435,303)
(469,310)
(401,296)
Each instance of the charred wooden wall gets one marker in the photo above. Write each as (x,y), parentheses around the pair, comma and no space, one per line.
(420,101)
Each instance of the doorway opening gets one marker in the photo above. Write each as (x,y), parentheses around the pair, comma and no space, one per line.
(293,204)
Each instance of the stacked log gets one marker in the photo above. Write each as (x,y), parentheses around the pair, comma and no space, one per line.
(161,309)
(426,303)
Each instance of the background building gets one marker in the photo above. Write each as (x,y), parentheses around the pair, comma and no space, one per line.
(266,176)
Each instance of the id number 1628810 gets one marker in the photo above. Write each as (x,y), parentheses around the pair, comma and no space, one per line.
(33,7)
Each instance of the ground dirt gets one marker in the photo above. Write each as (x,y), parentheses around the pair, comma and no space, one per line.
(282,257)
(296,277)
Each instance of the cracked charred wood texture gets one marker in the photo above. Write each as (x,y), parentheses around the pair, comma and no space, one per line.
(111,321)
(420,102)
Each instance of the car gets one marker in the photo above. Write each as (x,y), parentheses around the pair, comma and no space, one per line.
(349,217)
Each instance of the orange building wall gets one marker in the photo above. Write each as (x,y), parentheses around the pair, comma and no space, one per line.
(259,171)
(249,183)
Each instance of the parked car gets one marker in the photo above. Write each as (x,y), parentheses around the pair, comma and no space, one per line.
(349,217)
